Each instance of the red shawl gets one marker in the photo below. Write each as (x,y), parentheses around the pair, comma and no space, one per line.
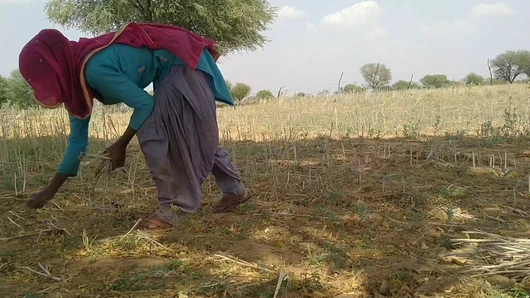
(55,66)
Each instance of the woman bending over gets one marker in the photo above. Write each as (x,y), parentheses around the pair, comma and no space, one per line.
(176,127)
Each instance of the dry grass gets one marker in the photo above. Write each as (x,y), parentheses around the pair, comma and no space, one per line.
(361,195)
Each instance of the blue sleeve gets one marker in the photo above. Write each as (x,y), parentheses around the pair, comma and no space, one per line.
(116,86)
(77,144)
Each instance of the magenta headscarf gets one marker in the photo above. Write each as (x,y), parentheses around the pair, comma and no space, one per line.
(55,66)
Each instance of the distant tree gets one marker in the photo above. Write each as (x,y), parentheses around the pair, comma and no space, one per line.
(474,79)
(376,75)
(352,88)
(499,82)
(229,85)
(264,94)
(435,81)
(324,92)
(3,91)
(301,94)
(19,93)
(511,64)
(456,83)
(385,88)
(235,24)
(402,85)
(240,91)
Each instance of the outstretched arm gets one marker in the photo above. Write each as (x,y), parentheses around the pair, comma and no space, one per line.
(69,167)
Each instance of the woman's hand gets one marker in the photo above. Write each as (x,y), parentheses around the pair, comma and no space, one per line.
(38,200)
(117,152)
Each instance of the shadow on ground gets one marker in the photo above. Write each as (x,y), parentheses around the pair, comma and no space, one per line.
(357,217)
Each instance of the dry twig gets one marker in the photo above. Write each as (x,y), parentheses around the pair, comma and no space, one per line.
(24,235)
(243,263)
(45,272)
(142,235)
(132,229)
(13,222)
(50,223)
(281,278)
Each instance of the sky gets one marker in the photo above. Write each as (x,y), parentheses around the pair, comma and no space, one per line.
(313,41)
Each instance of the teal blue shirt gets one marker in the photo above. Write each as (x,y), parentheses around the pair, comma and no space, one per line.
(120,73)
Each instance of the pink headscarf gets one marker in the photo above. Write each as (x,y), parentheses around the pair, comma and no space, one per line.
(55,66)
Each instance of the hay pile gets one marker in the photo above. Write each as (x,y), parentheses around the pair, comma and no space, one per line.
(489,255)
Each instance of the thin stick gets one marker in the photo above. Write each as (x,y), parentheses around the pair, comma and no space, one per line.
(297,215)
(427,223)
(524,272)
(9,218)
(58,207)
(15,214)
(134,227)
(243,263)
(45,273)
(99,156)
(154,241)
(521,212)
(60,229)
(23,236)
(281,278)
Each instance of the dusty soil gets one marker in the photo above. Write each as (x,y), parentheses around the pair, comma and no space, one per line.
(346,218)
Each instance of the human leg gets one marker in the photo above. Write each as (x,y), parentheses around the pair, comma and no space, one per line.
(179,142)
(228,179)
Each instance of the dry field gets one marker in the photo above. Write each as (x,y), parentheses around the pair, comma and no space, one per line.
(406,194)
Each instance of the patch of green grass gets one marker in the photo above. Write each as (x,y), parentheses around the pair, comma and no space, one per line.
(515,292)
(71,243)
(8,253)
(243,231)
(168,267)
(132,283)
(404,277)
(337,256)
(327,212)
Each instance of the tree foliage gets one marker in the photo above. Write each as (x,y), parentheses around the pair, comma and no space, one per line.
(17,92)
(474,79)
(3,91)
(376,75)
(240,91)
(403,85)
(235,24)
(435,81)
(352,88)
(264,94)
(229,85)
(511,64)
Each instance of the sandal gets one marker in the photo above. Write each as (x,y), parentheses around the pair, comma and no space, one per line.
(155,222)
(230,203)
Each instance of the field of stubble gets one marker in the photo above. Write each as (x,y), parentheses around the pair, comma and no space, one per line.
(401,194)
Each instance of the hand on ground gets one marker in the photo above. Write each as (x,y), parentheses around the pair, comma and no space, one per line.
(38,200)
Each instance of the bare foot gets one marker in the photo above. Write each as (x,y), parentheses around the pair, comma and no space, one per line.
(154,222)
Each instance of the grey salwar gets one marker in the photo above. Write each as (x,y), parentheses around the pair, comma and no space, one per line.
(180,142)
